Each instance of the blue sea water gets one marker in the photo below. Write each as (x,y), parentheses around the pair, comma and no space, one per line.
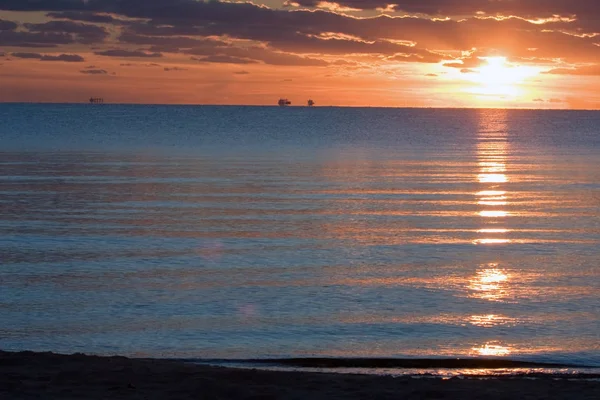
(253,232)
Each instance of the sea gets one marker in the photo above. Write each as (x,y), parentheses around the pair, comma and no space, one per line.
(236,233)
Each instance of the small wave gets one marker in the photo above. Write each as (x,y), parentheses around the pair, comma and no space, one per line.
(445,368)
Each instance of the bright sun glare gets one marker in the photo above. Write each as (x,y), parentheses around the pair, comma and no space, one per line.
(498,78)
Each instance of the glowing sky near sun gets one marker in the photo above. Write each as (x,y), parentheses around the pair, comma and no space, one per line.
(441,53)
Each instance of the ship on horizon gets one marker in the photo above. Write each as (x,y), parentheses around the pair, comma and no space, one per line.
(284,102)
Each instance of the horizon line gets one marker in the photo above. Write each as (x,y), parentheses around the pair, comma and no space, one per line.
(289,106)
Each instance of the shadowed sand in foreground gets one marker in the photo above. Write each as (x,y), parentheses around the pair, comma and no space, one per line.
(28,375)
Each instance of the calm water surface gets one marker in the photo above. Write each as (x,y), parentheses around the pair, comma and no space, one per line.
(237,232)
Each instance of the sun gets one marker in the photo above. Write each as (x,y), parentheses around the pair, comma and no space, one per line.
(499,78)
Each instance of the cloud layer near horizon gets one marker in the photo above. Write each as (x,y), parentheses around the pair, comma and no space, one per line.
(558,34)
(547,30)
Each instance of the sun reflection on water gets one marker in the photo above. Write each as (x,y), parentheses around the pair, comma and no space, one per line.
(492,154)
(492,178)
(491,241)
(490,283)
(490,320)
(491,193)
(493,214)
(492,349)
(493,230)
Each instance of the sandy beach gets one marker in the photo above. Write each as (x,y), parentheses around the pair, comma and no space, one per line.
(28,375)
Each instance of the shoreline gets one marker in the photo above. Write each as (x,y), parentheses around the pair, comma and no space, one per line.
(412,363)
(55,376)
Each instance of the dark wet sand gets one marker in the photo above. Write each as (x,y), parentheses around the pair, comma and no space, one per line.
(30,375)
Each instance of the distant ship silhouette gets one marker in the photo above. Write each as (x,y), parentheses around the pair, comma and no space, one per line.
(310,103)
(284,102)
(96,100)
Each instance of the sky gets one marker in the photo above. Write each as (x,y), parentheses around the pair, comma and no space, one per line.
(392,53)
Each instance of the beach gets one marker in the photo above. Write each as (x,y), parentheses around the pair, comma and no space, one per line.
(28,375)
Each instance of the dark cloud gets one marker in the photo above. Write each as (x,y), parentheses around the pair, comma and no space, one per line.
(46,57)
(94,71)
(271,57)
(306,32)
(219,49)
(139,65)
(213,10)
(127,53)
(37,56)
(83,16)
(174,44)
(42,5)
(241,72)
(8,25)
(64,57)
(523,8)
(50,34)
(81,33)
(29,39)
(184,25)
(467,71)
(169,69)
(225,59)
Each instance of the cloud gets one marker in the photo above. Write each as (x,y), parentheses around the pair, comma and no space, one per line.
(63,57)
(168,69)
(79,32)
(422,56)
(187,26)
(556,101)
(523,8)
(219,49)
(139,65)
(36,56)
(146,8)
(50,34)
(29,39)
(469,62)
(432,75)
(271,57)
(45,57)
(351,4)
(241,72)
(467,71)
(538,100)
(83,16)
(224,59)
(127,53)
(8,25)
(590,70)
(94,71)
